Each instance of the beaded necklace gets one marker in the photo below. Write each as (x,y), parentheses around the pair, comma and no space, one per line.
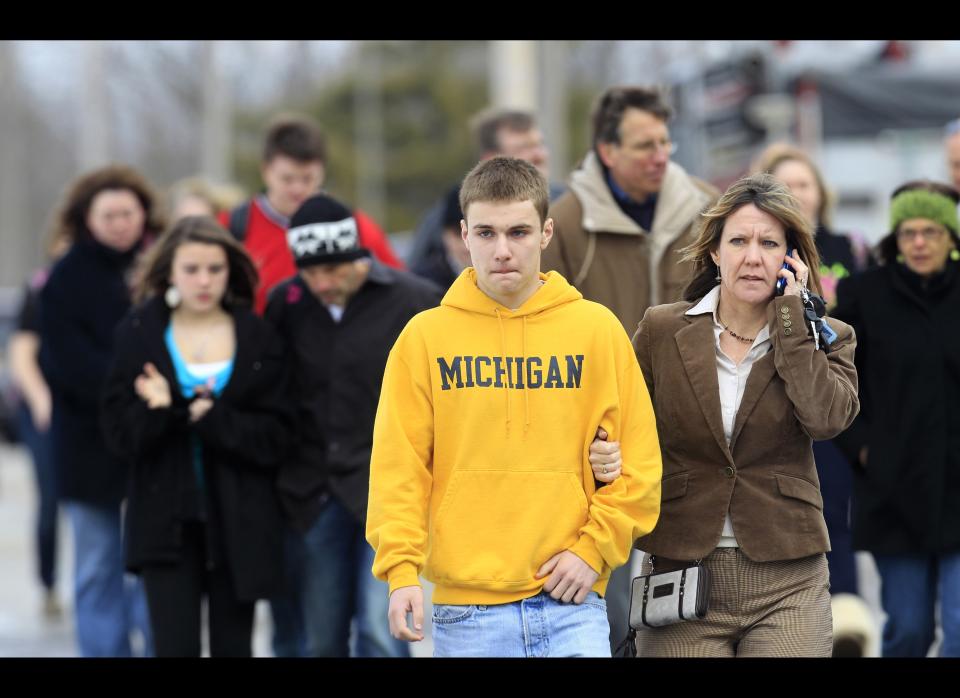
(745,340)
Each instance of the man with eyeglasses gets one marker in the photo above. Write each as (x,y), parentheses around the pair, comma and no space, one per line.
(952,147)
(628,210)
(618,228)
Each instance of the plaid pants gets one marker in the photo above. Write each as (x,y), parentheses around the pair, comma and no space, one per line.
(757,609)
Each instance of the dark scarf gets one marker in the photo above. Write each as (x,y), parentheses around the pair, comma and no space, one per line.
(928,289)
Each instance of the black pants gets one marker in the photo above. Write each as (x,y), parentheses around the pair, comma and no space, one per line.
(174,595)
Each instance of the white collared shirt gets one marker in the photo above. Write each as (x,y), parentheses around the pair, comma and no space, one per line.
(732,379)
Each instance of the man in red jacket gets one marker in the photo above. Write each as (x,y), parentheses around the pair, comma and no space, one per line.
(293,169)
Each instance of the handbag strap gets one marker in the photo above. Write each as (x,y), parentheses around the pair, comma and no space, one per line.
(628,648)
(698,562)
(683,581)
(643,604)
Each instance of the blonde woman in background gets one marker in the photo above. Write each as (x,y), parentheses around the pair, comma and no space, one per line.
(195,196)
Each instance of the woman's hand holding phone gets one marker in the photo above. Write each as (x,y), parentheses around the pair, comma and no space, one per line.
(793,275)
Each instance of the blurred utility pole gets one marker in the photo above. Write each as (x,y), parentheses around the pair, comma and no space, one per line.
(368,141)
(809,118)
(94,108)
(19,250)
(553,108)
(513,74)
(216,135)
(300,79)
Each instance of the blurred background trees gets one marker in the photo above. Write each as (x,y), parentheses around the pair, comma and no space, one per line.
(396,113)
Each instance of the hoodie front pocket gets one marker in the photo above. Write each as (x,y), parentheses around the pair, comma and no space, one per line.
(501,526)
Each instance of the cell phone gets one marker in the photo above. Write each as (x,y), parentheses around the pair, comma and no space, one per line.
(782,282)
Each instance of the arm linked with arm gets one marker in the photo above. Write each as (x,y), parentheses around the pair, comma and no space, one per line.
(401,467)
(629,507)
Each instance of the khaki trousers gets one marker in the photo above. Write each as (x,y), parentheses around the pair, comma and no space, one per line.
(757,609)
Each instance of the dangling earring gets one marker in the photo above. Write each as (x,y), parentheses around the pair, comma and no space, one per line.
(718,273)
(172,297)
(900,258)
(955,254)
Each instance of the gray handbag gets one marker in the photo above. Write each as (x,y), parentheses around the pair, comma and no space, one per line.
(665,598)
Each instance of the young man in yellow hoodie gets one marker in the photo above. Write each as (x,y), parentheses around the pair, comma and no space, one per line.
(479,472)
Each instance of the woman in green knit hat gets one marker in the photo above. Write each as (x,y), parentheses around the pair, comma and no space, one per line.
(905,443)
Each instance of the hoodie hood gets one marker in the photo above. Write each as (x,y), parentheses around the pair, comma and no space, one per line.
(466,295)
(678,203)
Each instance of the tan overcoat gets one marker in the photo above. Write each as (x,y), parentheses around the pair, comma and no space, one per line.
(612,260)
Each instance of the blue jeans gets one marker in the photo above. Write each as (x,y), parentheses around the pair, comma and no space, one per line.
(108,604)
(908,591)
(41,451)
(328,585)
(534,627)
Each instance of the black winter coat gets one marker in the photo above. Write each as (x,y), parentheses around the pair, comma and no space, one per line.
(81,304)
(908,360)
(244,437)
(338,369)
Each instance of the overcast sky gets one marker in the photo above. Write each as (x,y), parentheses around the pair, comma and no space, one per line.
(52,69)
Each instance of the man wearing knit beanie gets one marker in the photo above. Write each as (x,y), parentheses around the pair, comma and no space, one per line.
(340,314)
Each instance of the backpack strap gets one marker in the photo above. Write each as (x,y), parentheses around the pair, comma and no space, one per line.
(239,218)
(587,259)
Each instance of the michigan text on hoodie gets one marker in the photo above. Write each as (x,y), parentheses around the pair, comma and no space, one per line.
(516,372)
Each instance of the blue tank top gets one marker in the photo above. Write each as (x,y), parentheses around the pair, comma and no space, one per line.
(189,378)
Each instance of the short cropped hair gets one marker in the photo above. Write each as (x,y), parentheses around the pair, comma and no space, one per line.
(486,126)
(610,107)
(297,137)
(506,180)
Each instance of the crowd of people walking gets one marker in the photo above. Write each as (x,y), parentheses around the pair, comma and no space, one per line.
(254,399)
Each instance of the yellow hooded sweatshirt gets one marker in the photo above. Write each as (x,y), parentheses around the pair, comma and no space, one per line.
(480,473)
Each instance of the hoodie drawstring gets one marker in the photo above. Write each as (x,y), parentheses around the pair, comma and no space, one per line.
(526,395)
(503,357)
(519,377)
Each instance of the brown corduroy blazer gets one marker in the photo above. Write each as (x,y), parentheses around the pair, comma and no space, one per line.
(766,478)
